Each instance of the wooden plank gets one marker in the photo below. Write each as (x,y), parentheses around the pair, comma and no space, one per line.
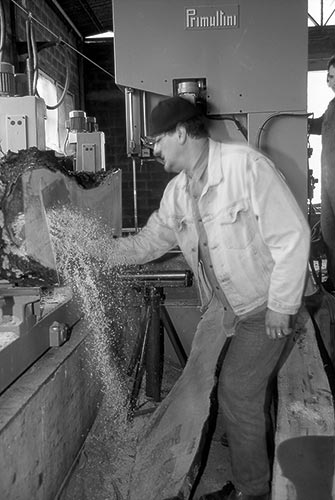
(32,182)
(304,466)
(169,452)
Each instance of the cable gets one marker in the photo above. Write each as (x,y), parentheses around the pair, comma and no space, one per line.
(277,115)
(230,118)
(32,64)
(2,30)
(67,82)
(63,41)
(35,59)
(29,61)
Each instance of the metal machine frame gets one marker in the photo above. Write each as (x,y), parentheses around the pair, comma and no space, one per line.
(248,59)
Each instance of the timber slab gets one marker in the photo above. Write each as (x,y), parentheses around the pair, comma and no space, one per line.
(170,451)
(305,444)
(32,181)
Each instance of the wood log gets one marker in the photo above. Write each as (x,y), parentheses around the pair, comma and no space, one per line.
(170,452)
(305,445)
(32,181)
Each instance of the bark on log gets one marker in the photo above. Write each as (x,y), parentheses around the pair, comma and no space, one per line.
(31,181)
(305,445)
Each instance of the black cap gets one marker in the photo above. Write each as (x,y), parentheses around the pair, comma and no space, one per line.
(169,112)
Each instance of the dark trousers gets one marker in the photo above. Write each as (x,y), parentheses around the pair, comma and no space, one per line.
(243,392)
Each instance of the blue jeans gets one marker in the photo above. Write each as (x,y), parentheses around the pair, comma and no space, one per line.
(247,370)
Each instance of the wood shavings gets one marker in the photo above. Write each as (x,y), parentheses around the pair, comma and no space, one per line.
(7,338)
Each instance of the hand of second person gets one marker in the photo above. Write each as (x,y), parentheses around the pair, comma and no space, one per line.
(277,324)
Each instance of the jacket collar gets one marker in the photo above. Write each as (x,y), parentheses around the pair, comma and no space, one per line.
(215,174)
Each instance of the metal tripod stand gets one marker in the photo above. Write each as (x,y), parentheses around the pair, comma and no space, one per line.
(148,353)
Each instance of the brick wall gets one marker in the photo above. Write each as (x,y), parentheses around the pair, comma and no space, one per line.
(51,60)
(105,101)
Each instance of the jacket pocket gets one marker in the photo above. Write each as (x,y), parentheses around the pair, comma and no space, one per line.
(238,225)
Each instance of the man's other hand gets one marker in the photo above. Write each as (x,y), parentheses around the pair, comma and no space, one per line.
(277,324)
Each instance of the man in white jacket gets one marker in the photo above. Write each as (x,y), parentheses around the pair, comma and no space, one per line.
(247,242)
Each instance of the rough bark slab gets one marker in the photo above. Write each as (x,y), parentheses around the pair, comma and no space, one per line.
(31,179)
(169,454)
(305,445)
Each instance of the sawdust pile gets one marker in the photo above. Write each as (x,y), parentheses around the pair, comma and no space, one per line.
(105,300)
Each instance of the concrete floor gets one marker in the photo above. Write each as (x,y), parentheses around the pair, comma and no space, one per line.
(103,468)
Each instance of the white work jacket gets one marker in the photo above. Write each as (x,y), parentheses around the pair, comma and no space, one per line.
(258,238)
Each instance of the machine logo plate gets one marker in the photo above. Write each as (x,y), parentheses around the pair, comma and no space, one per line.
(211,17)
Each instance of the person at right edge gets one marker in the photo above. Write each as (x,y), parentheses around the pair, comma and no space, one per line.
(325,125)
(247,242)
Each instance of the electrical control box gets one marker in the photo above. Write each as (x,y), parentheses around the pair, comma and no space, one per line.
(22,123)
(90,155)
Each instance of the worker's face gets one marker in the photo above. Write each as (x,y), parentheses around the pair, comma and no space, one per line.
(168,148)
(331,78)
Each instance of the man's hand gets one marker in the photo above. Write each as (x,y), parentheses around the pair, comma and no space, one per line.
(277,325)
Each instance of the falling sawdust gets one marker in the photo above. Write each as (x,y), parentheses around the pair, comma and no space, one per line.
(81,243)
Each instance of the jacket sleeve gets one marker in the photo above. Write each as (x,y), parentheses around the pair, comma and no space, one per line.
(154,240)
(314,125)
(286,233)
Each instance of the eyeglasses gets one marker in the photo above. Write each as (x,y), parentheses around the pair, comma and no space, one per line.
(150,142)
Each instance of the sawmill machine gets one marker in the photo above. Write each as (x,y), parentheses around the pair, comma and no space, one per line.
(34,179)
(245,61)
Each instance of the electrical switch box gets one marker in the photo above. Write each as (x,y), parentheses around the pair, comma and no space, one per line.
(22,123)
(16,132)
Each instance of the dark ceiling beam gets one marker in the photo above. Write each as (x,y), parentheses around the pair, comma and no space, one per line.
(321,46)
(85,5)
(57,8)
